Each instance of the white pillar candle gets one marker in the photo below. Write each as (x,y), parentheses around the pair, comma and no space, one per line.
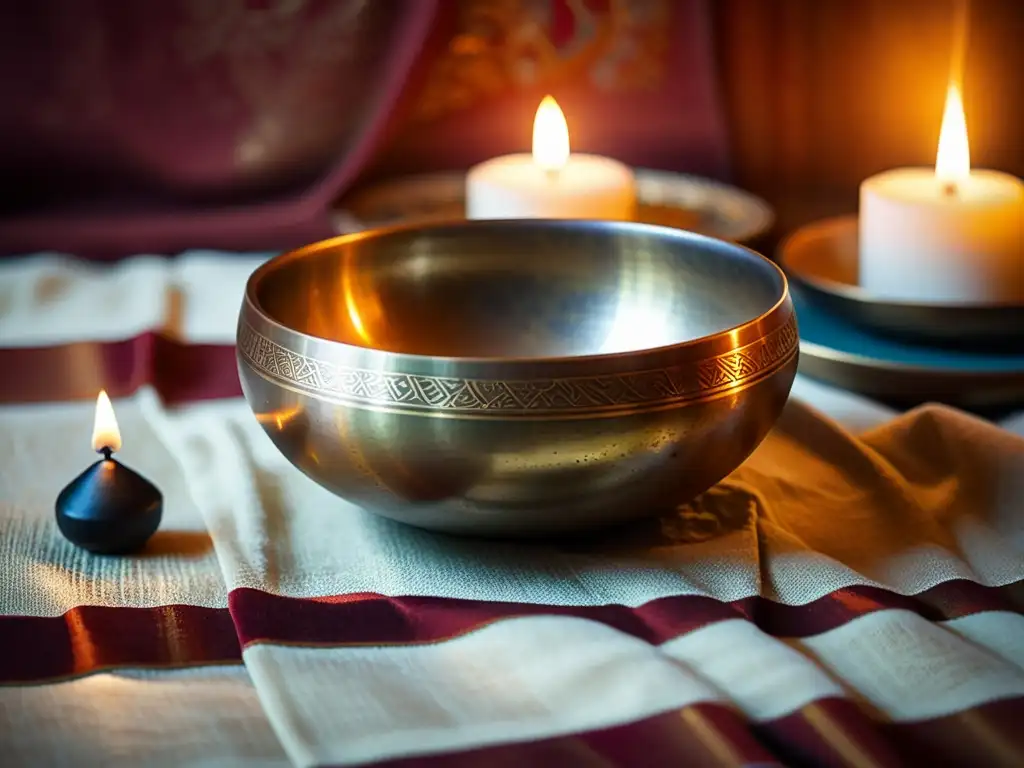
(944,236)
(550,183)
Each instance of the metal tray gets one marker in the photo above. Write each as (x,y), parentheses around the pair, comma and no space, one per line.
(670,199)
(821,259)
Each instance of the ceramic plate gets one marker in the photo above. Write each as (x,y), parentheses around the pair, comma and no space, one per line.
(842,353)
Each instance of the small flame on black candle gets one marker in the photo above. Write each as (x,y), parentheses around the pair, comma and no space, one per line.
(109,509)
(106,435)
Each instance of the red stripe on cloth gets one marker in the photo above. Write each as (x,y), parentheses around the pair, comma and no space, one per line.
(825,732)
(93,638)
(698,735)
(96,637)
(829,732)
(179,372)
(370,619)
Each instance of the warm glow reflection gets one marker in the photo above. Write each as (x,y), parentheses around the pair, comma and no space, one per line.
(953,163)
(280,418)
(351,300)
(105,432)
(550,136)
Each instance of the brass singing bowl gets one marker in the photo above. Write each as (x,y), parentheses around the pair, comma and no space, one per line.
(517,378)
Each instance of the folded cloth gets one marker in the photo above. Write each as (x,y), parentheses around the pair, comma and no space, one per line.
(113,661)
(848,596)
(845,595)
(68,329)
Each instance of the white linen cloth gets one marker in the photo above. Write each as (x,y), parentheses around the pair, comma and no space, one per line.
(858,497)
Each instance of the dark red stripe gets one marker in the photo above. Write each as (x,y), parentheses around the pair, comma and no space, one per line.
(693,736)
(184,373)
(179,372)
(92,638)
(829,732)
(368,619)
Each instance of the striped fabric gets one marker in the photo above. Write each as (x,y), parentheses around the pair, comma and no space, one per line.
(850,596)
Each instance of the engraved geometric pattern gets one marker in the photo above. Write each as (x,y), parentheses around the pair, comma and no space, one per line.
(582,393)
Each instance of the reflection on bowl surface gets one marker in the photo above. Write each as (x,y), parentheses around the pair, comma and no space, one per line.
(509,291)
(517,377)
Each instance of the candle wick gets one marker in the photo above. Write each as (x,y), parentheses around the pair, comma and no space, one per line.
(107,453)
(949,189)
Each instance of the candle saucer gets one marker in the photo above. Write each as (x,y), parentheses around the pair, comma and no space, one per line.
(676,200)
(821,259)
(847,355)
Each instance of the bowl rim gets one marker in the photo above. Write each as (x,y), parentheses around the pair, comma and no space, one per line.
(251,302)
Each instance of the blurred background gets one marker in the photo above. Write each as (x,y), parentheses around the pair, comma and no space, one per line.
(241,124)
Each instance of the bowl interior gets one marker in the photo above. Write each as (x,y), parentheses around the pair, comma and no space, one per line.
(518,289)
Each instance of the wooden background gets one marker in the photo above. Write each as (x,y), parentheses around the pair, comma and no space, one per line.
(823,93)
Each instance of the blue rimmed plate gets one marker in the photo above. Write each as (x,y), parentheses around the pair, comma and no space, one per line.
(845,354)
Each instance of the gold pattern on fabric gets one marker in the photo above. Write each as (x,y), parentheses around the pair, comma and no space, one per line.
(507,45)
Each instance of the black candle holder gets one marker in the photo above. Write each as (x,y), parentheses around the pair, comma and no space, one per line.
(109,509)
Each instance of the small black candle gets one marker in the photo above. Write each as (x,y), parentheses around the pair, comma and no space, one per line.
(109,509)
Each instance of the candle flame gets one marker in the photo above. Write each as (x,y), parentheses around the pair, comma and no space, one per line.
(105,432)
(550,136)
(953,162)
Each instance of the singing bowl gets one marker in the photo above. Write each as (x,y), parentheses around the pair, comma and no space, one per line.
(517,378)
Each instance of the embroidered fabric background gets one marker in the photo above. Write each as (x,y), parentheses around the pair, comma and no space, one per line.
(610,45)
(637,79)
